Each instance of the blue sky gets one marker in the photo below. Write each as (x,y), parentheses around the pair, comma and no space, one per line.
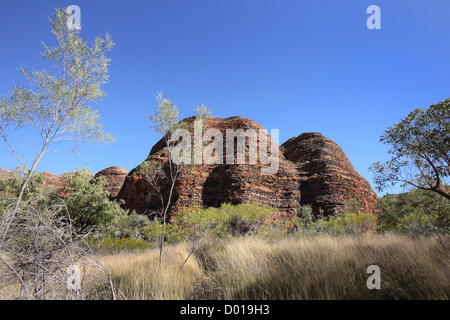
(297,66)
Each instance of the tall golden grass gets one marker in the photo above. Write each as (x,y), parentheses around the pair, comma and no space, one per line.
(294,268)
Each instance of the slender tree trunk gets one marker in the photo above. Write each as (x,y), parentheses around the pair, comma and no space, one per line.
(164,222)
(19,197)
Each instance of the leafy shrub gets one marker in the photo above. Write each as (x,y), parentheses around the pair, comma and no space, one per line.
(194,223)
(418,212)
(35,191)
(245,218)
(172,233)
(129,226)
(304,215)
(88,203)
(349,223)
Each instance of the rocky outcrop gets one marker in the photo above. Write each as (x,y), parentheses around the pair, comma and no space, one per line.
(5,174)
(211,185)
(327,178)
(313,170)
(115,177)
(53,181)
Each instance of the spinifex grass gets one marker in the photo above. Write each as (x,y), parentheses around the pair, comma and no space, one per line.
(295,268)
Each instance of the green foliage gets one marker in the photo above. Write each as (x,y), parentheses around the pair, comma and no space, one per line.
(129,226)
(195,223)
(87,201)
(420,151)
(165,116)
(351,222)
(348,223)
(225,221)
(417,212)
(155,231)
(246,218)
(304,215)
(56,102)
(203,111)
(34,193)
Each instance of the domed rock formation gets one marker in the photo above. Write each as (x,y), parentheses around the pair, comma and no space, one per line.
(115,176)
(213,184)
(327,178)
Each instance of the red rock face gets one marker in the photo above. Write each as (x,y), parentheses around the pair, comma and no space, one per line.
(53,181)
(5,174)
(115,176)
(211,185)
(327,177)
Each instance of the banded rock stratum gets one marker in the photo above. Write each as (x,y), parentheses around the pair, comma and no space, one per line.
(313,170)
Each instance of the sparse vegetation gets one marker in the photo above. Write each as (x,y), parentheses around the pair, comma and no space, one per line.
(322,267)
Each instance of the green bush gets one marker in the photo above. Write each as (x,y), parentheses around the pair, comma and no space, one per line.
(246,218)
(195,222)
(35,194)
(348,223)
(129,226)
(87,202)
(351,222)
(226,221)
(418,212)
(304,216)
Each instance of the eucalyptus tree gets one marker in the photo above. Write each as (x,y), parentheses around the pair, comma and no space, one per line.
(165,122)
(56,102)
(420,151)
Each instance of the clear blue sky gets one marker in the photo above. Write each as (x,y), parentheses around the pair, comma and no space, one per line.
(298,66)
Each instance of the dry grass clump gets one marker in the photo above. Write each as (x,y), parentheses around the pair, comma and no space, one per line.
(296,268)
(137,276)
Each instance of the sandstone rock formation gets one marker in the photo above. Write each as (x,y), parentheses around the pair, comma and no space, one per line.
(5,174)
(211,185)
(313,170)
(327,178)
(115,176)
(53,181)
